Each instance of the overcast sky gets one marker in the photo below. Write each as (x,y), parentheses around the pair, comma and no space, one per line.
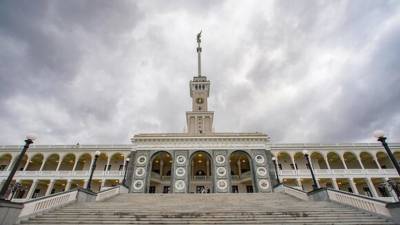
(97,72)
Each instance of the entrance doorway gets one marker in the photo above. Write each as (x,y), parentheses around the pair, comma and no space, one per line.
(241,172)
(160,175)
(200,176)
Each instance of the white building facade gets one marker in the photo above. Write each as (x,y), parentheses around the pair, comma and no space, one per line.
(200,161)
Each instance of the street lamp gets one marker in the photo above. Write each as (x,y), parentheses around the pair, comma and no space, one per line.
(29,140)
(126,169)
(96,156)
(276,170)
(306,156)
(380,135)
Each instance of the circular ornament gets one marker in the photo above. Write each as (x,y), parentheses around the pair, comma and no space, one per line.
(138,184)
(180,184)
(259,159)
(140,171)
(222,184)
(261,171)
(263,183)
(180,171)
(221,171)
(180,159)
(141,160)
(220,159)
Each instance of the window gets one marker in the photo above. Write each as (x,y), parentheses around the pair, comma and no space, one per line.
(152,189)
(121,167)
(166,189)
(249,189)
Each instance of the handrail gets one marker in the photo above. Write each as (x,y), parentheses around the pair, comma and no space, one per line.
(43,204)
(388,209)
(61,199)
(361,202)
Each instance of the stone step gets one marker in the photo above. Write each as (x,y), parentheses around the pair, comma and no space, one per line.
(257,208)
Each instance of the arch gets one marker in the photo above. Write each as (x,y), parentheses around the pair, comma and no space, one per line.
(383,160)
(285,161)
(117,161)
(51,162)
(160,173)
(84,162)
(351,161)
(5,161)
(68,162)
(35,162)
(300,161)
(318,161)
(241,172)
(101,163)
(200,172)
(334,160)
(368,161)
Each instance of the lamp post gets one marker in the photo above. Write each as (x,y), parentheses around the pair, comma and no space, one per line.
(29,140)
(380,135)
(306,156)
(276,170)
(126,169)
(96,156)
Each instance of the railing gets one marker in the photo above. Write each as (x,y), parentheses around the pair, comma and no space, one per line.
(102,195)
(61,173)
(296,192)
(372,205)
(49,202)
(201,178)
(54,201)
(357,201)
(338,172)
(242,176)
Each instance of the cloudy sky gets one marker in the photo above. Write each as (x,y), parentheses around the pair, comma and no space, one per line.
(97,72)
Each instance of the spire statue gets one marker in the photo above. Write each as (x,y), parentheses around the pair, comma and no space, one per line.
(199,54)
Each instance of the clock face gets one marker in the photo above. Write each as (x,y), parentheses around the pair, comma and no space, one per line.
(199,101)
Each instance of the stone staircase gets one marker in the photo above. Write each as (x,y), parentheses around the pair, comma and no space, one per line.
(255,208)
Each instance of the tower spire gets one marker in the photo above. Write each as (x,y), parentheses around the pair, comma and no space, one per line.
(199,54)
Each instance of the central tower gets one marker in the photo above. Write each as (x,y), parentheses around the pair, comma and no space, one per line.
(199,120)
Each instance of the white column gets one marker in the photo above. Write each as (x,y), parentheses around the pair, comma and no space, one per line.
(353,186)
(43,162)
(32,189)
(75,163)
(50,187)
(59,164)
(334,183)
(26,164)
(372,187)
(68,185)
(85,183)
(294,164)
(360,161)
(327,162)
(376,161)
(108,163)
(344,162)
(91,162)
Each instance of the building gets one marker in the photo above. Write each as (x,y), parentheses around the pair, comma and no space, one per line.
(200,161)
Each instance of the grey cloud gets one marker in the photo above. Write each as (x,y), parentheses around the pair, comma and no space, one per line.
(306,71)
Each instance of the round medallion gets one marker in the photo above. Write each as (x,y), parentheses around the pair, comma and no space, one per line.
(138,184)
(180,184)
(220,159)
(259,159)
(222,184)
(261,171)
(180,172)
(140,171)
(221,171)
(141,160)
(180,159)
(263,183)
